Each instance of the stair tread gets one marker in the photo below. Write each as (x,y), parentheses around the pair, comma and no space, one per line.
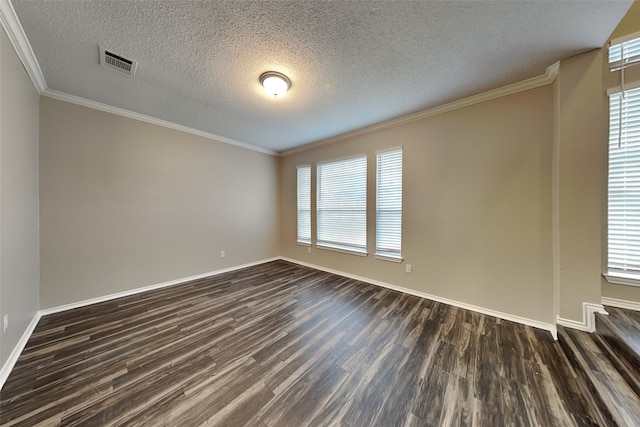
(626,326)
(619,336)
(618,396)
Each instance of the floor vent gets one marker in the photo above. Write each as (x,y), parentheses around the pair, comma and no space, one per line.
(117,62)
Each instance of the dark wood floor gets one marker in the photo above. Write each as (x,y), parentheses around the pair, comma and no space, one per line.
(284,345)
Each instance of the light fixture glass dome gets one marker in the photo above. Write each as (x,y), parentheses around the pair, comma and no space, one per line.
(275,83)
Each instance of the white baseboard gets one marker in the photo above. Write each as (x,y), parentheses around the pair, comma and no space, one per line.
(110,297)
(15,354)
(17,350)
(588,323)
(621,303)
(506,316)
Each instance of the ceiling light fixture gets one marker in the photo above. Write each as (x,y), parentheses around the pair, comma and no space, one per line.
(276,84)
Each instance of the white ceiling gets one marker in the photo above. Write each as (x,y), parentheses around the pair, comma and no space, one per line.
(351,63)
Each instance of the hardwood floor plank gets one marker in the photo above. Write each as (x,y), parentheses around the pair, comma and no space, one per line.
(432,405)
(280,344)
(296,401)
(514,409)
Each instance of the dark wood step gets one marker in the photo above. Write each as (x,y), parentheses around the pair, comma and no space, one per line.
(620,332)
(617,401)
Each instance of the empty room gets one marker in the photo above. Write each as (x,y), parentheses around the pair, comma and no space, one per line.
(319,213)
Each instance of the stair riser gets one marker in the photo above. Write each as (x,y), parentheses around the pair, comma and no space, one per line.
(618,403)
(573,355)
(623,358)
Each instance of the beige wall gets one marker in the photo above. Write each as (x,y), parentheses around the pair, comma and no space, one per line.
(19,263)
(581,150)
(125,204)
(477,205)
(630,23)
(628,293)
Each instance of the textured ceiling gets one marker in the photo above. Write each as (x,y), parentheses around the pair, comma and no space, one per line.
(352,63)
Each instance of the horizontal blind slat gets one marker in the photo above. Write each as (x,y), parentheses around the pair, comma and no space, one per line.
(342,203)
(624,173)
(304,204)
(389,202)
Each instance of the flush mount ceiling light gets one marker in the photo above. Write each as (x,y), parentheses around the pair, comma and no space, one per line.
(276,84)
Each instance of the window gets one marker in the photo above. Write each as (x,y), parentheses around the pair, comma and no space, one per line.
(624,185)
(304,204)
(627,50)
(342,205)
(389,204)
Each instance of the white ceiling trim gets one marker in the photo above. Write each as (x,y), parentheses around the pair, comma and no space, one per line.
(21,45)
(61,96)
(547,78)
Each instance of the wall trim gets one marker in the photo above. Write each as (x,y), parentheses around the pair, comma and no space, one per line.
(552,71)
(61,96)
(21,45)
(15,34)
(621,303)
(17,350)
(622,279)
(506,316)
(588,323)
(15,354)
(547,78)
(135,291)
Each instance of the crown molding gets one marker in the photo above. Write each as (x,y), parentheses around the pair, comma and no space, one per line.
(21,45)
(547,78)
(61,96)
(552,71)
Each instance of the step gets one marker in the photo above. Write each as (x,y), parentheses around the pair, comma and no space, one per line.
(620,331)
(617,401)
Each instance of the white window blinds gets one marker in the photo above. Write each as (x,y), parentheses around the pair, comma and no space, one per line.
(342,204)
(624,183)
(304,204)
(389,203)
(628,50)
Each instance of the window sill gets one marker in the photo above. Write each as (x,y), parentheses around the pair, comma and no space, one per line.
(341,250)
(303,243)
(382,257)
(623,279)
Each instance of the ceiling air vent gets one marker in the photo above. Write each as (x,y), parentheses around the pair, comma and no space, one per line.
(117,62)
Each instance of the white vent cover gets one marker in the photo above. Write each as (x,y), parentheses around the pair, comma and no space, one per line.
(118,62)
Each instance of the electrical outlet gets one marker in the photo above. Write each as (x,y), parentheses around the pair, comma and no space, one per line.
(5,323)
(308,249)
(222,254)
(407,268)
